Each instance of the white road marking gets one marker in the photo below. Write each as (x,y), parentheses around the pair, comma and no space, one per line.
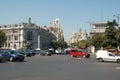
(117,68)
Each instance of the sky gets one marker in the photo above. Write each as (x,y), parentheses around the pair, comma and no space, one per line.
(73,14)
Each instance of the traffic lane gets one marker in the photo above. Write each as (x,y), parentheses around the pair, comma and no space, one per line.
(60,68)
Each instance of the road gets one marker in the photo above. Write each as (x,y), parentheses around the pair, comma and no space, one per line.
(59,67)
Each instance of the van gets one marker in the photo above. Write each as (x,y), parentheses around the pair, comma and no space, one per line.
(104,55)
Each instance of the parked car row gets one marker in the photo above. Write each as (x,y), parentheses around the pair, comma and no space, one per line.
(27,52)
(19,55)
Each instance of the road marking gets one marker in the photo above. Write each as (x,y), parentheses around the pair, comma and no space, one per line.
(117,68)
(79,58)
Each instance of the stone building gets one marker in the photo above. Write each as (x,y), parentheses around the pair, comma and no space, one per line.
(56,30)
(98,27)
(78,36)
(22,34)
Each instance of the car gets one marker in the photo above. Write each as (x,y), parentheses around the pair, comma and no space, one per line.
(78,53)
(12,55)
(40,52)
(25,52)
(48,52)
(1,58)
(58,51)
(104,55)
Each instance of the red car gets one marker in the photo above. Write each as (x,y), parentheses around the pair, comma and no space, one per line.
(78,53)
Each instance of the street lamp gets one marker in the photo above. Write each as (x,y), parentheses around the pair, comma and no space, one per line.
(38,38)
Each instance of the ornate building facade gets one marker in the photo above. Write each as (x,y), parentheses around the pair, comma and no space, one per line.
(56,30)
(22,34)
(78,36)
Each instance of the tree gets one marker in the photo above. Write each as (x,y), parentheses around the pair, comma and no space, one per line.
(58,44)
(109,39)
(110,33)
(112,24)
(2,38)
(118,37)
(97,40)
(82,44)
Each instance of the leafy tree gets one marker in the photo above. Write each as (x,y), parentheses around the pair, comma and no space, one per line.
(74,44)
(2,38)
(82,44)
(110,33)
(112,24)
(118,37)
(56,44)
(97,40)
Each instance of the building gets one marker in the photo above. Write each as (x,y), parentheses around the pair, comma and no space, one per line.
(78,36)
(56,30)
(98,27)
(24,35)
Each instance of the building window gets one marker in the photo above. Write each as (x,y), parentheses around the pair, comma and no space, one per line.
(5,44)
(16,26)
(16,37)
(8,44)
(29,35)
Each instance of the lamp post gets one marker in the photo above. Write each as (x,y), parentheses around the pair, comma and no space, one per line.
(39,38)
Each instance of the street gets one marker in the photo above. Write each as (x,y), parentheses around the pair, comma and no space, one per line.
(59,67)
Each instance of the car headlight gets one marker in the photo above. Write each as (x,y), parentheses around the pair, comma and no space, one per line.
(14,55)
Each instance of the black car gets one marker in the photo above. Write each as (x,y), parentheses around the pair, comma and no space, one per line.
(49,52)
(12,55)
(43,52)
(1,58)
(25,52)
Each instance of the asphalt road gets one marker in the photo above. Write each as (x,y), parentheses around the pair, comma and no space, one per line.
(59,67)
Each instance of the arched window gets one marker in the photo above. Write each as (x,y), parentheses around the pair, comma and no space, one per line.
(29,35)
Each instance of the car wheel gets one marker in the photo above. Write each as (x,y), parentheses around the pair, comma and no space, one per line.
(71,55)
(84,56)
(88,56)
(100,60)
(118,60)
(21,60)
(25,55)
(11,59)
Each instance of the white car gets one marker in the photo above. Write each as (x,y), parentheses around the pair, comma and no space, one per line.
(58,51)
(104,55)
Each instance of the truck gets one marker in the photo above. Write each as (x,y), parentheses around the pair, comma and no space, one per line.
(104,55)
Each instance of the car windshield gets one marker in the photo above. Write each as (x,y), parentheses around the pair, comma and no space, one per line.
(74,50)
(13,52)
(4,51)
(110,54)
(1,51)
